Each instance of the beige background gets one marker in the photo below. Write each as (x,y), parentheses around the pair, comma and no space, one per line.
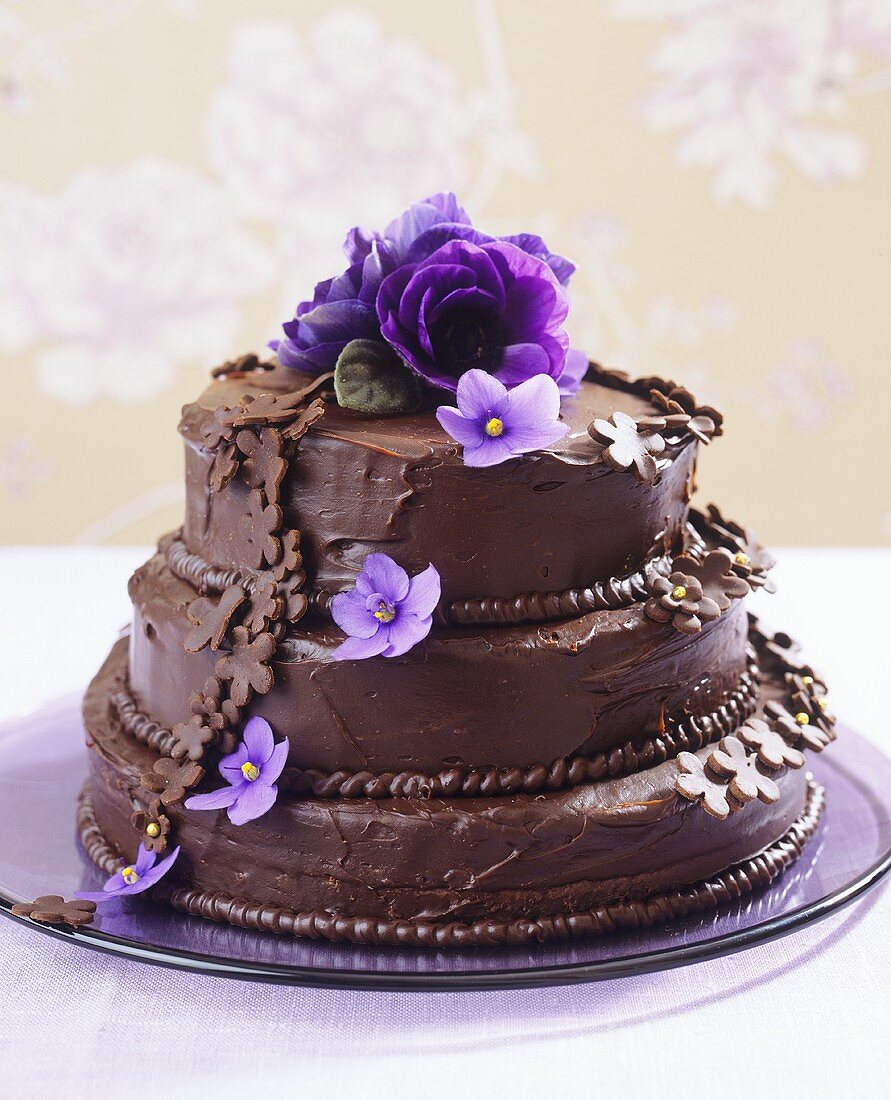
(175,174)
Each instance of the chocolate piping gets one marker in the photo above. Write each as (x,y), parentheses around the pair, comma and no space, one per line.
(691,734)
(736,882)
(612,594)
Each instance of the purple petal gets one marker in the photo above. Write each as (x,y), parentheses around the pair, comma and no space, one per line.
(98,896)
(255,801)
(258,739)
(357,649)
(157,872)
(481,396)
(386,576)
(462,429)
(574,370)
(533,437)
(339,321)
(532,402)
(424,591)
(521,362)
(274,766)
(531,309)
(490,452)
(114,884)
(349,611)
(405,632)
(218,799)
(438,235)
(421,216)
(145,860)
(562,268)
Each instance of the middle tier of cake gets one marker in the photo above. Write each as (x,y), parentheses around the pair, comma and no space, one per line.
(608,690)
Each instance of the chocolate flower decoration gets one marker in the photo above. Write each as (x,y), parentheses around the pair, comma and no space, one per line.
(246,665)
(264,466)
(53,909)
(133,878)
(494,424)
(624,446)
(209,704)
(212,619)
(191,738)
(153,827)
(171,780)
(264,607)
(491,307)
(298,427)
(749,558)
(295,601)
(715,572)
(386,613)
(697,784)
(680,600)
(224,467)
(250,772)
(256,532)
(244,364)
(740,767)
(771,748)
(220,428)
(703,421)
(291,559)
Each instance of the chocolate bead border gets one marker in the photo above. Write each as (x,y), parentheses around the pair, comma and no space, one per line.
(691,734)
(736,882)
(609,595)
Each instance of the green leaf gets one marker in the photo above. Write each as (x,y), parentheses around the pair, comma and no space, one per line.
(371,378)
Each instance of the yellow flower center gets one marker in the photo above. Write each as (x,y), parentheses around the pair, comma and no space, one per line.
(153,828)
(250,771)
(741,558)
(495,426)
(130,876)
(385,613)
(802,719)
(678,592)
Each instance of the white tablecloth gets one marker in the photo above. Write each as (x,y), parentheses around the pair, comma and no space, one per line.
(807,1016)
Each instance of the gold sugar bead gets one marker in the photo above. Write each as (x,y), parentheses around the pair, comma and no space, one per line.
(678,592)
(807,680)
(153,829)
(823,704)
(741,558)
(802,719)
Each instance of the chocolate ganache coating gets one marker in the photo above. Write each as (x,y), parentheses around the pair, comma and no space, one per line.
(546,522)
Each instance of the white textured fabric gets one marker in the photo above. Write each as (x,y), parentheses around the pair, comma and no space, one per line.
(807,1016)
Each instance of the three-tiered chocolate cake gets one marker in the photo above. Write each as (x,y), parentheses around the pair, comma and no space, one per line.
(406,675)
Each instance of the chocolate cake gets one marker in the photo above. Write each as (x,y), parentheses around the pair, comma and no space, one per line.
(421,673)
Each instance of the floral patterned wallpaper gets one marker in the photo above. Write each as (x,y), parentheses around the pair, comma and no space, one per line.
(175,174)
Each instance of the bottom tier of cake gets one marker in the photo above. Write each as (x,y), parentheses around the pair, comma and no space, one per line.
(588,859)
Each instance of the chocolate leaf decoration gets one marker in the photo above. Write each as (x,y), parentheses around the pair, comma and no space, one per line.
(371,378)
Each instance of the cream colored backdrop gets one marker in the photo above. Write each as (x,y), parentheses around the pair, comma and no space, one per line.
(176,174)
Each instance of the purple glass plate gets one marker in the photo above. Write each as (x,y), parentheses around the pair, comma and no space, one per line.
(42,768)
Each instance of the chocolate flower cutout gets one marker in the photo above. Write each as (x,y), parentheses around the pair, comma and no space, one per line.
(624,446)
(291,559)
(265,606)
(191,738)
(54,909)
(171,780)
(264,466)
(697,784)
(212,619)
(771,748)
(680,600)
(153,827)
(132,878)
(224,467)
(209,704)
(740,767)
(295,601)
(256,532)
(703,421)
(250,772)
(246,665)
(749,558)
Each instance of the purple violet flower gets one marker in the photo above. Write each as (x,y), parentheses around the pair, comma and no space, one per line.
(387,612)
(494,424)
(342,308)
(251,772)
(490,306)
(132,879)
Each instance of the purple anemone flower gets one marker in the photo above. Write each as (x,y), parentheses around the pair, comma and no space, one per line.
(251,772)
(342,308)
(491,307)
(133,878)
(574,371)
(494,424)
(387,612)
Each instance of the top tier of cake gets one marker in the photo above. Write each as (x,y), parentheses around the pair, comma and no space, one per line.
(557,521)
